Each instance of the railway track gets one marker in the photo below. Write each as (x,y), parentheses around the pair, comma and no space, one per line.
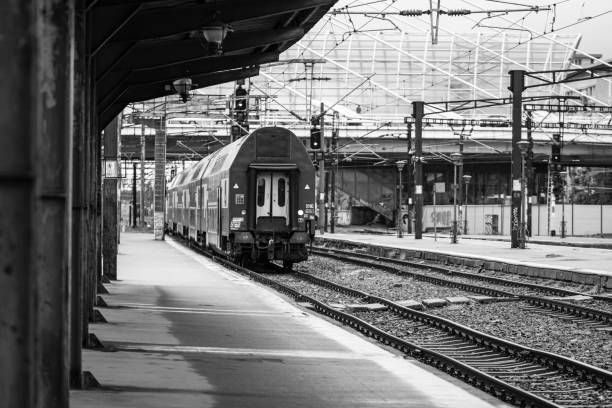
(531,293)
(516,374)
(552,380)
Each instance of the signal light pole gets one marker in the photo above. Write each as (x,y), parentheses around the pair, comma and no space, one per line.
(400,166)
(321,188)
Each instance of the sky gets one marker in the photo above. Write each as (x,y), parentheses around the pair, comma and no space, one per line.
(580,17)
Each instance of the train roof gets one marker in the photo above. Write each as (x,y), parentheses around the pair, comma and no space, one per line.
(222,159)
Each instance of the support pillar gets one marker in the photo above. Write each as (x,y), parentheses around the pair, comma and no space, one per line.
(160,184)
(418,111)
(517,86)
(53,194)
(109,207)
(459,187)
(321,189)
(334,169)
(142,175)
(78,331)
(18,314)
(409,176)
(529,172)
(36,50)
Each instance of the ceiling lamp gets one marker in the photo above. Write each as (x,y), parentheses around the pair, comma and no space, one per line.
(214,34)
(182,86)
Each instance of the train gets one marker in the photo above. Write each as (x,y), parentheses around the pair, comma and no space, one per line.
(252,200)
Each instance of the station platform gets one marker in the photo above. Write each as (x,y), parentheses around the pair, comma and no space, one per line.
(183,331)
(580,260)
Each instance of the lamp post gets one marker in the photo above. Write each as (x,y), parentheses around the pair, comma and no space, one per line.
(456,158)
(466,181)
(400,166)
(523,146)
(563,175)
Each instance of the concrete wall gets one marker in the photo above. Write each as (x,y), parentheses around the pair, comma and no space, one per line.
(495,219)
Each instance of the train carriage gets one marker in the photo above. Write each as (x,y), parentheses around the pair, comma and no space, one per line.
(252,199)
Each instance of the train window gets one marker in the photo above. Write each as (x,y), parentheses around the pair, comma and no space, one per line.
(261,192)
(281,192)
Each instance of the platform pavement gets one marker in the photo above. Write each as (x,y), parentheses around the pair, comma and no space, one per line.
(578,264)
(185,332)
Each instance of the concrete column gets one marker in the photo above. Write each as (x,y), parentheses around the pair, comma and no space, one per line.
(109,206)
(18,99)
(78,331)
(97,162)
(160,183)
(36,49)
(53,170)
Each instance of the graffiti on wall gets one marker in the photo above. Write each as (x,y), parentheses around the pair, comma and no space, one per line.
(515,219)
(441,218)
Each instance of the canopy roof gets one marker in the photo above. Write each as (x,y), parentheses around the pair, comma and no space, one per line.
(139,47)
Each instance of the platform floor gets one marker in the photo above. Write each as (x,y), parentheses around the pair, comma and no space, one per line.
(186,332)
(538,252)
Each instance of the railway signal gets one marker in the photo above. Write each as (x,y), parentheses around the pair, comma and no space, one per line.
(315,138)
(555,154)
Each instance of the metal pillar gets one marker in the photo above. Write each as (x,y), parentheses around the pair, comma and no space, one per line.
(458,188)
(109,208)
(142,175)
(334,168)
(517,86)
(418,111)
(326,191)
(134,205)
(400,168)
(409,175)
(454,231)
(529,172)
(321,188)
(160,183)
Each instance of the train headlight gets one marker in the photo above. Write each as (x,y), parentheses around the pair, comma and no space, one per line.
(300,212)
(243,212)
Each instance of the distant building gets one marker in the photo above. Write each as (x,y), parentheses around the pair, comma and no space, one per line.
(600,90)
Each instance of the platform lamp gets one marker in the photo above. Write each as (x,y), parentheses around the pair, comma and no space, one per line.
(523,146)
(214,33)
(466,181)
(182,86)
(456,158)
(400,166)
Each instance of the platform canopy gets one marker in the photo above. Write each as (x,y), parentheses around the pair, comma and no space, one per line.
(139,47)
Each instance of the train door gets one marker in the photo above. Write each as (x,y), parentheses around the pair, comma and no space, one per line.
(273,197)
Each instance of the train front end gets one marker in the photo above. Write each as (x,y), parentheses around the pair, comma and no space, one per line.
(278,223)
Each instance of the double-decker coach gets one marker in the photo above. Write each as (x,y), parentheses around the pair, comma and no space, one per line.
(250,200)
